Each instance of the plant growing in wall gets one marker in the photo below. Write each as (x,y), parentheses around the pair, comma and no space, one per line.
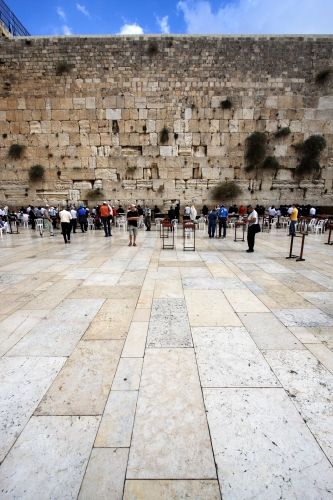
(271,162)
(16,151)
(226,190)
(310,150)
(131,170)
(255,149)
(226,104)
(152,48)
(160,188)
(95,194)
(36,173)
(283,132)
(164,135)
(62,67)
(323,76)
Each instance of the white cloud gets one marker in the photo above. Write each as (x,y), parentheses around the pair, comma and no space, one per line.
(131,29)
(259,17)
(163,24)
(82,9)
(61,13)
(66,30)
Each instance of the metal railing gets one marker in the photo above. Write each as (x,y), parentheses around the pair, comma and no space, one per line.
(10,21)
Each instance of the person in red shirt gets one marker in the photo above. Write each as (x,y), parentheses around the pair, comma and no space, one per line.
(106,218)
(241,210)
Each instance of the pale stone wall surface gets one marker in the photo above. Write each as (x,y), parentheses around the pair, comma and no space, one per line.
(99,125)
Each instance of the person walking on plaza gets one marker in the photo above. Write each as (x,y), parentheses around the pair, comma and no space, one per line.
(65,220)
(223,220)
(73,219)
(82,216)
(132,224)
(47,222)
(212,218)
(293,220)
(148,218)
(253,228)
(106,218)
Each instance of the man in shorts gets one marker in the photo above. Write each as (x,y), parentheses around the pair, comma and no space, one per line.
(132,223)
(48,225)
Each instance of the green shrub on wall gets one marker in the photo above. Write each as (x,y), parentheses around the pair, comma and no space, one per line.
(271,162)
(310,150)
(36,173)
(283,132)
(226,191)
(164,135)
(95,194)
(16,151)
(256,149)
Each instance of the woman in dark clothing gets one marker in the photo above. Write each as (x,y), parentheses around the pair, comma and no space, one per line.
(82,216)
(32,218)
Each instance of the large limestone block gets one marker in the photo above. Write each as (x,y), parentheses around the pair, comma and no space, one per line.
(325,102)
(113,114)
(166,151)
(35,127)
(216,151)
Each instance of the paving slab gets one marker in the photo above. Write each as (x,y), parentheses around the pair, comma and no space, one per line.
(169,325)
(139,489)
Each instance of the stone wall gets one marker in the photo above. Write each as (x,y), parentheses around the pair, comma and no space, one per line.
(98,124)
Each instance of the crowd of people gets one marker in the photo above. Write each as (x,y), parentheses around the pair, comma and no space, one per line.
(103,216)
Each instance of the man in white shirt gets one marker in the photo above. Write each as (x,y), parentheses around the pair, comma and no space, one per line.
(65,219)
(73,213)
(312,211)
(290,209)
(253,228)
(272,211)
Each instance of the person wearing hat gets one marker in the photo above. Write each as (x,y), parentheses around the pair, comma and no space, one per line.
(47,223)
(132,223)
(106,218)
(82,216)
(254,227)
(223,220)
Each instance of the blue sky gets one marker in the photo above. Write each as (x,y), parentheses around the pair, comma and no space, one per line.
(65,17)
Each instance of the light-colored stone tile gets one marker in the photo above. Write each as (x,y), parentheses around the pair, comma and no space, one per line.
(141,315)
(221,271)
(168,289)
(169,326)
(210,309)
(51,338)
(118,312)
(53,296)
(145,299)
(52,453)
(128,374)
(255,288)
(23,382)
(298,283)
(18,324)
(148,284)
(245,301)
(322,300)
(136,340)
(324,334)
(323,354)
(137,266)
(262,447)
(83,385)
(303,335)
(228,357)
(197,272)
(132,278)
(272,267)
(288,298)
(98,279)
(106,292)
(140,489)
(103,330)
(80,309)
(213,284)
(79,274)
(105,475)
(164,273)
(303,317)
(269,301)
(318,278)
(117,421)
(170,436)
(268,332)
(310,386)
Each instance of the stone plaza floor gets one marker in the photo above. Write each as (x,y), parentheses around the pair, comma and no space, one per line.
(141,373)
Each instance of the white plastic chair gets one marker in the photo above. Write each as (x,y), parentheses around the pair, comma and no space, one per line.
(39,225)
(231,222)
(91,224)
(320,227)
(122,222)
(174,222)
(202,222)
(158,223)
(273,222)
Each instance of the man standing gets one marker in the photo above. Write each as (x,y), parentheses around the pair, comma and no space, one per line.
(253,228)
(212,218)
(293,220)
(65,220)
(148,218)
(312,211)
(105,216)
(48,225)
(223,220)
(171,214)
(73,219)
(132,222)
(82,215)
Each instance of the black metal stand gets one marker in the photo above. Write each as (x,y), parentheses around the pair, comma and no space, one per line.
(165,235)
(191,226)
(329,242)
(298,258)
(240,224)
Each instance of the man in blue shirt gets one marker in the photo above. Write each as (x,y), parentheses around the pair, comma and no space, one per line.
(223,220)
